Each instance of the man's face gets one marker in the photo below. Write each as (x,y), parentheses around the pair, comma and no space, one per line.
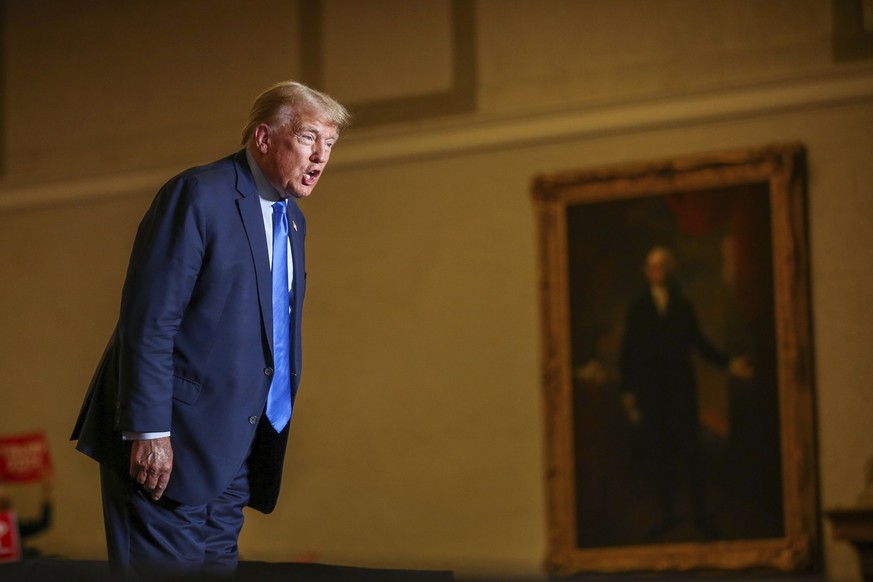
(656,268)
(293,158)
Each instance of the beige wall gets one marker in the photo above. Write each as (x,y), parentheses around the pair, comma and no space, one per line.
(418,440)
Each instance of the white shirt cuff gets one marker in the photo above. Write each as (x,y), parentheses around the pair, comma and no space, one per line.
(143,436)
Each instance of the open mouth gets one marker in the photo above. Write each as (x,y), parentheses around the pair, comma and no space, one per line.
(309,178)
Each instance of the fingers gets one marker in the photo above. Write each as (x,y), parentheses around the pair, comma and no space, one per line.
(151,464)
(161,486)
(156,483)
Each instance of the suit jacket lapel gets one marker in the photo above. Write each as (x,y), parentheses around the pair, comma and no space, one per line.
(295,234)
(253,221)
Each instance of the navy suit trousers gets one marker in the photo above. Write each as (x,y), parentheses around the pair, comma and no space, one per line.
(164,536)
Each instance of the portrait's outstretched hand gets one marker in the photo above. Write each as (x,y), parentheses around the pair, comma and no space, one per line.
(740,368)
(151,462)
(629,402)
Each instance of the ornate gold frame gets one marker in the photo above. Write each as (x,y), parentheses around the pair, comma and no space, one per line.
(783,168)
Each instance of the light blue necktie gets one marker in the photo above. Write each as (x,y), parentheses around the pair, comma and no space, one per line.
(279,398)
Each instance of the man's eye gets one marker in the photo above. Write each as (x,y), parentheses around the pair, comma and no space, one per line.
(306,137)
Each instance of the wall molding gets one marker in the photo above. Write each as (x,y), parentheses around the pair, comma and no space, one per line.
(463,136)
(370,147)
(852,40)
(459,98)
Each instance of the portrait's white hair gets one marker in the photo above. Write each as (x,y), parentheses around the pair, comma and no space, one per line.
(666,253)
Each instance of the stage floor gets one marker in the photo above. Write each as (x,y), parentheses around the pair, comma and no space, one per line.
(80,570)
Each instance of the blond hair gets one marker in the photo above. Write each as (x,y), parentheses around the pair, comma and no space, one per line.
(285,102)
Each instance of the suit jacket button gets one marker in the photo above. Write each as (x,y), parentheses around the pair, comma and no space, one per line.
(253,419)
(268,371)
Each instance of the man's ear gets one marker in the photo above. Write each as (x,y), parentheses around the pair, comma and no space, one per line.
(262,138)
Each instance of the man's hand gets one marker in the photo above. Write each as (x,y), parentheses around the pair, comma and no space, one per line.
(151,462)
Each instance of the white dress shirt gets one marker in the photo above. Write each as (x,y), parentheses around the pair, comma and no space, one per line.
(661,297)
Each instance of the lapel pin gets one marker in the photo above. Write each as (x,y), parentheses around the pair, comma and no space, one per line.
(294,225)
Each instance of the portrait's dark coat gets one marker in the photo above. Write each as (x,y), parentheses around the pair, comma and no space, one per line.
(657,368)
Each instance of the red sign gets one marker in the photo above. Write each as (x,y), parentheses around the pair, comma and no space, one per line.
(10,545)
(24,458)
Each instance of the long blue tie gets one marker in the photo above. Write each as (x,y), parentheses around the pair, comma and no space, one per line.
(279,398)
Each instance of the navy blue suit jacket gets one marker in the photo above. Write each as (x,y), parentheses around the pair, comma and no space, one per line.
(192,350)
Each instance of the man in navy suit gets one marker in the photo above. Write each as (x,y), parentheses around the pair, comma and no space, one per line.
(177,412)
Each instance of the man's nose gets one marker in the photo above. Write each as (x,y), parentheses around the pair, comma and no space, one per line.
(319,153)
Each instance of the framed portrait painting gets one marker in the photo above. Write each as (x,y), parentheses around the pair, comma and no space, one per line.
(677,368)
